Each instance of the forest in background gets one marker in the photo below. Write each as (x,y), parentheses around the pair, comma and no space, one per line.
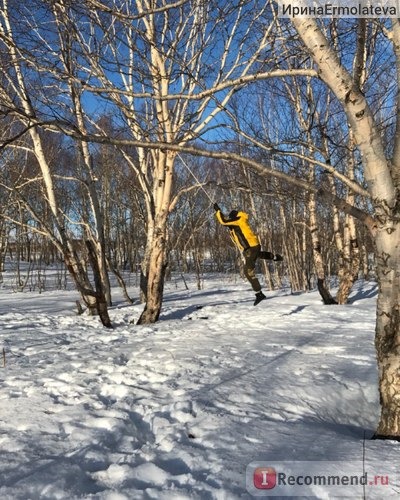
(196,243)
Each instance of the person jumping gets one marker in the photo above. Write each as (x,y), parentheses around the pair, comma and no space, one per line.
(249,245)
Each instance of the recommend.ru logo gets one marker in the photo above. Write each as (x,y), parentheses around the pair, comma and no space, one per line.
(322,479)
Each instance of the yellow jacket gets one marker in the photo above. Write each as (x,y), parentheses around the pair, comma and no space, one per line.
(239,230)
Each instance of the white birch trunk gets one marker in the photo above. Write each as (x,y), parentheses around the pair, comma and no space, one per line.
(157,245)
(382,184)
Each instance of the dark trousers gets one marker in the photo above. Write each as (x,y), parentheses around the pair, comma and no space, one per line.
(251,255)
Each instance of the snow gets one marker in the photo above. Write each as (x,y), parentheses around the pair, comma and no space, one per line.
(179,409)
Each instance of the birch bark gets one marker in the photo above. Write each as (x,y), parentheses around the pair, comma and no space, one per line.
(382,179)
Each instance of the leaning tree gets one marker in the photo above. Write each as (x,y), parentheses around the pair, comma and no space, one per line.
(30,53)
(382,175)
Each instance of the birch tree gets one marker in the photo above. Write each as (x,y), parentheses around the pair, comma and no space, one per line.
(18,97)
(175,68)
(382,175)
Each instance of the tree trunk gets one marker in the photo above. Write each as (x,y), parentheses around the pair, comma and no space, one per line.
(121,283)
(383,180)
(387,340)
(100,295)
(387,247)
(153,270)
(155,277)
(349,254)
(317,254)
(349,250)
(351,258)
(81,280)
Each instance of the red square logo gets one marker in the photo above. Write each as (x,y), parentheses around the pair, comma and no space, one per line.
(264,478)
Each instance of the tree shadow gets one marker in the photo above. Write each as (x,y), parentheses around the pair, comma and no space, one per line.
(172,296)
(180,313)
(186,312)
(296,310)
(364,293)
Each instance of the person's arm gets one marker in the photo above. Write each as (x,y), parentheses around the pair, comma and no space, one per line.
(227,221)
(222,219)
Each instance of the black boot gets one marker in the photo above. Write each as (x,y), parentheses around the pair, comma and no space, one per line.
(259,297)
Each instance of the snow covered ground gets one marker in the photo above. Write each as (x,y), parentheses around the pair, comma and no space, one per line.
(179,409)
